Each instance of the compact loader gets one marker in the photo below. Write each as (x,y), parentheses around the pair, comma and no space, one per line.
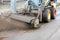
(36,11)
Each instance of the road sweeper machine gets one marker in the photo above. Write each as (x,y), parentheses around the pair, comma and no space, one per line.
(36,11)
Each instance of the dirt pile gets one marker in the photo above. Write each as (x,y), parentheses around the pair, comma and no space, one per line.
(9,24)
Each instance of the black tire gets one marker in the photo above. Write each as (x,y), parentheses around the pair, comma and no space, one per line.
(53,13)
(33,25)
(46,16)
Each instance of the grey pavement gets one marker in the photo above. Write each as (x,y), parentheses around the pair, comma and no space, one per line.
(56,36)
(47,31)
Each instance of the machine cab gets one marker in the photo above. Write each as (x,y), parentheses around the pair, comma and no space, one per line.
(35,2)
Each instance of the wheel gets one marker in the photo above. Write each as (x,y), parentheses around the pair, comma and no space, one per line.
(31,26)
(34,24)
(53,13)
(46,16)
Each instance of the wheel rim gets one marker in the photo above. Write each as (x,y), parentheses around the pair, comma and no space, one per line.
(49,15)
(54,13)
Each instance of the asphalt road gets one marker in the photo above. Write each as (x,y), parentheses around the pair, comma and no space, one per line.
(47,31)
